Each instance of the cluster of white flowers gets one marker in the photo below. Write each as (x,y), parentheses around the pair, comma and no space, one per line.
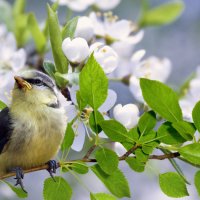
(12,60)
(191,97)
(112,42)
(81,5)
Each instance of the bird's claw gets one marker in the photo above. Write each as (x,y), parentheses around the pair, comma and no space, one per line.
(52,166)
(19,176)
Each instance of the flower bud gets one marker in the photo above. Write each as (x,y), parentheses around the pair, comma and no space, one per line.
(105,56)
(75,50)
(85,28)
(128,115)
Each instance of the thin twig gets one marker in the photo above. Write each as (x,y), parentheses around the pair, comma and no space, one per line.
(44,167)
(164,156)
(92,148)
(128,153)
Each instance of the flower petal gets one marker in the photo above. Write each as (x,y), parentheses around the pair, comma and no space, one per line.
(79,140)
(109,102)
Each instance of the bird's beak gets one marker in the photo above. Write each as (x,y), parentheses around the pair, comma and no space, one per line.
(22,83)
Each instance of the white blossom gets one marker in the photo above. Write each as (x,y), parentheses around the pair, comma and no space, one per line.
(85,28)
(76,50)
(152,68)
(81,5)
(124,49)
(191,97)
(12,60)
(105,56)
(107,4)
(109,27)
(80,125)
(128,115)
(76,5)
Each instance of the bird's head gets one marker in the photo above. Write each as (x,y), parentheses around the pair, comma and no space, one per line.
(35,87)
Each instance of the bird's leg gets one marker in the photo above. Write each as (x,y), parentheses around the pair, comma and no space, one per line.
(52,168)
(19,176)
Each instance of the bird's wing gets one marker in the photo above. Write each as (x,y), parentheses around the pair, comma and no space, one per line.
(5,128)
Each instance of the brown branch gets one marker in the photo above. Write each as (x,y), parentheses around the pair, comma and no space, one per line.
(165,156)
(92,148)
(128,153)
(44,167)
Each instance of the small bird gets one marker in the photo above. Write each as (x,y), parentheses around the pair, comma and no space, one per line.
(32,128)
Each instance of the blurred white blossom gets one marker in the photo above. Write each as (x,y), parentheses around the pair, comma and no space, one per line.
(124,49)
(128,115)
(107,4)
(81,5)
(85,28)
(76,5)
(76,50)
(81,118)
(12,60)
(105,56)
(110,27)
(151,68)
(191,97)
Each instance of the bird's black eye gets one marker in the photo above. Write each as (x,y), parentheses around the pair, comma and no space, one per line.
(37,82)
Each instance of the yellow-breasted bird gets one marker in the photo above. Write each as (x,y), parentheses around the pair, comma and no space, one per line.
(32,128)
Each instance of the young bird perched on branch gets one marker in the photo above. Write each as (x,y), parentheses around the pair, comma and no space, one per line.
(32,129)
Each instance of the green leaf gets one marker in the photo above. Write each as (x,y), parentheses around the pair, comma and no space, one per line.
(173,185)
(197,181)
(163,14)
(147,149)
(37,34)
(6,16)
(93,83)
(59,190)
(191,153)
(185,129)
(169,135)
(49,68)
(141,156)
(79,167)
(69,28)
(134,133)
(81,103)
(68,138)
(95,118)
(18,191)
(148,137)
(19,7)
(147,122)
(107,160)
(115,131)
(20,22)
(2,105)
(161,99)
(196,115)
(116,182)
(135,164)
(56,41)
(101,196)
(60,81)
(22,33)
